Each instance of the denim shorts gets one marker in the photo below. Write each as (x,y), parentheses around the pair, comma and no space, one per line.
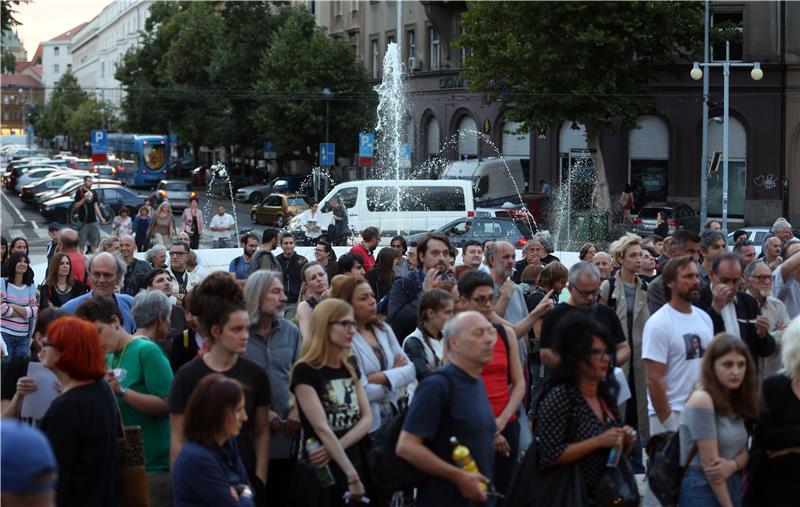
(697,492)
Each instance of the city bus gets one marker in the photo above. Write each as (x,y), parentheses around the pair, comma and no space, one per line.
(150,156)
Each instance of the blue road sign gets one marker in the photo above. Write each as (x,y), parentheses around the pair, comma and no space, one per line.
(327,154)
(270,152)
(173,139)
(366,145)
(99,141)
(405,152)
(29,130)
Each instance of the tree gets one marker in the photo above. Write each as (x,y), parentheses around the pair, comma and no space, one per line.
(585,62)
(7,11)
(148,103)
(66,98)
(299,63)
(9,62)
(91,114)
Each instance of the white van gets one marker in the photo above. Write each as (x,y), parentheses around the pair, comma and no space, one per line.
(423,204)
(490,179)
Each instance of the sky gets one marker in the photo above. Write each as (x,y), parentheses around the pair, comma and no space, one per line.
(44,19)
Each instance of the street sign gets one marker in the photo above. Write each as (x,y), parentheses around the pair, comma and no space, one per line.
(366,145)
(405,155)
(270,152)
(99,141)
(173,139)
(327,154)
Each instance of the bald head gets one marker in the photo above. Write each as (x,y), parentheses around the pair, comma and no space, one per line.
(105,272)
(127,246)
(470,339)
(68,239)
(604,263)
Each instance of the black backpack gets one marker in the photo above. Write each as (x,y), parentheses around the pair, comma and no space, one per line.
(391,473)
(664,468)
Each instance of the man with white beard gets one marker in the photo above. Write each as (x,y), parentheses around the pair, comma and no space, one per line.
(758,279)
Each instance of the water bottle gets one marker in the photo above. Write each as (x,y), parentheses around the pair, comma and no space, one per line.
(463,459)
(324,473)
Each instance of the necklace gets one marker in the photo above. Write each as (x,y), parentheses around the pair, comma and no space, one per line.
(122,355)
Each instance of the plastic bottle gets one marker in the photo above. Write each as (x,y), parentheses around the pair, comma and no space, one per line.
(463,459)
(324,473)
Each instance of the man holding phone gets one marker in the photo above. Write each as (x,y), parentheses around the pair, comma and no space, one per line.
(433,263)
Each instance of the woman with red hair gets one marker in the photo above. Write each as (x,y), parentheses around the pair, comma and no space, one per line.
(81,423)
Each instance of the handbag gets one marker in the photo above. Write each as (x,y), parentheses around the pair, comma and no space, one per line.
(132,473)
(555,486)
(617,486)
(664,470)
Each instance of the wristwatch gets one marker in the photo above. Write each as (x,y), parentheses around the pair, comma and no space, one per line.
(122,392)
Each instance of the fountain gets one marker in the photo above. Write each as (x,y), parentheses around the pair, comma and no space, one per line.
(220,189)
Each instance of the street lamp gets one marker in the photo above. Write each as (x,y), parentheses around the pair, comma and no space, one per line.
(756,74)
(327,95)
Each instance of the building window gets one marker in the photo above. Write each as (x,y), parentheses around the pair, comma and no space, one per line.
(411,42)
(56,69)
(102,69)
(728,21)
(463,52)
(353,39)
(69,66)
(375,54)
(389,40)
(338,6)
(56,51)
(433,38)
(354,5)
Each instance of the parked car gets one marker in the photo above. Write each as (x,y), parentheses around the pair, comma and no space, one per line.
(278,209)
(33,175)
(480,229)
(755,234)
(69,189)
(177,192)
(679,216)
(255,193)
(52,182)
(105,171)
(111,198)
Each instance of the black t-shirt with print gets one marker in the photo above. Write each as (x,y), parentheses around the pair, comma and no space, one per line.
(256,394)
(336,389)
(86,211)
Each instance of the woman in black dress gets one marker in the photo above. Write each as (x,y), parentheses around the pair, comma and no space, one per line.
(60,286)
(578,419)
(778,430)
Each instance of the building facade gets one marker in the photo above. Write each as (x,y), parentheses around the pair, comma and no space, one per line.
(18,94)
(57,58)
(661,159)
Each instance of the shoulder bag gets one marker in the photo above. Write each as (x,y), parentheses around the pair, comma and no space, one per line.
(617,486)
(132,474)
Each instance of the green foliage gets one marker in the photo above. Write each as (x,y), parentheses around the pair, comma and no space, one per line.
(90,114)
(7,11)
(242,74)
(66,98)
(586,62)
(300,62)
(9,62)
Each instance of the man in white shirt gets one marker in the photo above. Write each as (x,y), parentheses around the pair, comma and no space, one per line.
(758,278)
(786,278)
(221,227)
(673,343)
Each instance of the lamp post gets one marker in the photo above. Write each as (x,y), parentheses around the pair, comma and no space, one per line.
(327,95)
(704,153)
(756,74)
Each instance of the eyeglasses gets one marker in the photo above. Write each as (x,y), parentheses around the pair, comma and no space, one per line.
(178,253)
(585,293)
(482,300)
(601,353)
(350,325)
(320,250)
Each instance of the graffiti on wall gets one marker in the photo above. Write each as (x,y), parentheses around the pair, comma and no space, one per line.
(766,181)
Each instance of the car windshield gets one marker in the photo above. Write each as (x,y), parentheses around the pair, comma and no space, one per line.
(652,213)
(178,186)
(524,228)
(297,201)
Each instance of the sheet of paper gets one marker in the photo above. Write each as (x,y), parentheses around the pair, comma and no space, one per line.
(624,389)
(35,404)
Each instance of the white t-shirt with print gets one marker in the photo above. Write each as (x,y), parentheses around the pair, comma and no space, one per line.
(671,337)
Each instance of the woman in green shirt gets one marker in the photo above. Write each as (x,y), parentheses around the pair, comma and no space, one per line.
(140,376)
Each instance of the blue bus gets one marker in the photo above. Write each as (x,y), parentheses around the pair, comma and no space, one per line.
(150,156)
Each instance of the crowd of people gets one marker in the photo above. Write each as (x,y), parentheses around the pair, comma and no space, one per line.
(270,384)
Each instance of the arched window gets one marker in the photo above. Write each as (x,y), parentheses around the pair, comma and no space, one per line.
(433,142)
(737,167)
(467,138)
(648,158)
(515,144)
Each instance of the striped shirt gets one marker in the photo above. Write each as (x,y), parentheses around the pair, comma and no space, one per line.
(23,295)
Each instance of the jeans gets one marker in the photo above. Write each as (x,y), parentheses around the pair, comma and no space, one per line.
(18,346)
(222,242)
(697,492)
(504,465)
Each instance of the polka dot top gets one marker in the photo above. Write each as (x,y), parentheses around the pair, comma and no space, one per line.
(564,417)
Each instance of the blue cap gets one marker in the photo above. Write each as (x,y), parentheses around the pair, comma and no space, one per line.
(27,460)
